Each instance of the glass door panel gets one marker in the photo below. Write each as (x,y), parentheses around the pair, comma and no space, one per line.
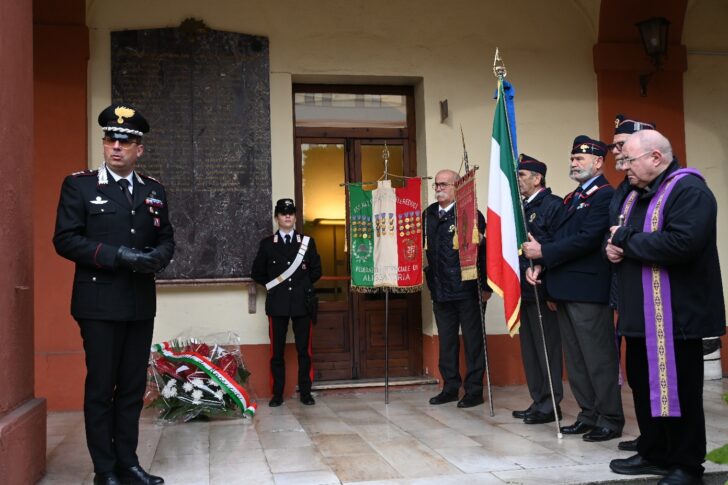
(323,167)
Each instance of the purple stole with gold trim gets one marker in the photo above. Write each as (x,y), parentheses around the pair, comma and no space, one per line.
(664,401)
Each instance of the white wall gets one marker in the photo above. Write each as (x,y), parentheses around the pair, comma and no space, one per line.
(706,105)
(444,49)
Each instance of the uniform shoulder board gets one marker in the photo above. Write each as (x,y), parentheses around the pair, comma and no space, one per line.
(85,173)
(149,177)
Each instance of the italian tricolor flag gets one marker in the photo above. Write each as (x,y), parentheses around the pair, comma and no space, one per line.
(385,230)
(505,231)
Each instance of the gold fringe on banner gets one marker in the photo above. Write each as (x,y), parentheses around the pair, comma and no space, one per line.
(455,244)
(468,273)
(476,234)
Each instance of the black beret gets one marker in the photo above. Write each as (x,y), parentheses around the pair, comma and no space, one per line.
(584,144)
(623,125)
(122,121)
(285,206)
(529,163)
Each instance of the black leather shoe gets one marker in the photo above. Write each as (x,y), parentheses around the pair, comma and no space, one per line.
(629,445)
(275,401)
(601,434)
(678,476)
(470,400)
(537,417)
(636,465)
(443,397)
(579,427)
(108,478)
(521,414)
(308,399)
(135,475)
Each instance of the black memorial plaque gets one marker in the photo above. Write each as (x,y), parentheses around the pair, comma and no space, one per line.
(206,97)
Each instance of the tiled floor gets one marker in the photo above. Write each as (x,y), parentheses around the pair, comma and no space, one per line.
(354,437)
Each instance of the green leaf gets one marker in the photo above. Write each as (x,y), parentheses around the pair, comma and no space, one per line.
(719,455)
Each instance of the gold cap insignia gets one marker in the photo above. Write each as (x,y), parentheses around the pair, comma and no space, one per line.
(616,122)
(584,148)
(123,112)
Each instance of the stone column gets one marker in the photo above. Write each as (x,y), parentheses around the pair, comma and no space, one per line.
(22,416)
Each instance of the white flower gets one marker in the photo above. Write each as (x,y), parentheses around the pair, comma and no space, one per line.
(197,382)
(170,390)
(219,394)
(196,396)
(187,387)
(214,384)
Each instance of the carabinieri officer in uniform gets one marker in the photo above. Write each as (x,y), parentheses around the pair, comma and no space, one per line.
(288,265)
(114,224)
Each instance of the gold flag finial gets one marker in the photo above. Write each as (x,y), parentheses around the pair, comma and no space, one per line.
(499,68)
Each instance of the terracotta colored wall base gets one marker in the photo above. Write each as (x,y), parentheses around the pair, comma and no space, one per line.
(23,443)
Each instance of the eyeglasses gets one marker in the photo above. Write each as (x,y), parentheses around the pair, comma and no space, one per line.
(628,161)
(441,185)
(617,145)
(123,144)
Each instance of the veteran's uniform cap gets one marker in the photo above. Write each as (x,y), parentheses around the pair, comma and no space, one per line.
(121,121)
(624,125)
(585,145)
(285,206)
(526,162)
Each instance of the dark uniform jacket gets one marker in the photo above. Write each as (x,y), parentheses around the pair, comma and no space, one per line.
(615,208)
(686,247)
(575,267)
(93,220)
(540,215)
(289,297)
(443,262)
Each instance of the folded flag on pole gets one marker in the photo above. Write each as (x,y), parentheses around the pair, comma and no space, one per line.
(386,237)
(466,203)
(505,231)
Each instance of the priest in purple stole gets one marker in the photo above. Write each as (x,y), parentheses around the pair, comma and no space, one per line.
(670,297)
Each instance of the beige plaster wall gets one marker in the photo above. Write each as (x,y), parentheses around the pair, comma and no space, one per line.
(444,49)
(706,105)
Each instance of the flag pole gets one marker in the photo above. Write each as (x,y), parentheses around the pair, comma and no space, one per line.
(481,303)
(385,156)
(499,71)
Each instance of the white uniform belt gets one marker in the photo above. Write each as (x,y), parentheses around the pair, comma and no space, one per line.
(292,268)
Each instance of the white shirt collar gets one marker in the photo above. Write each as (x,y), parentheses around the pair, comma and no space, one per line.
(129,177)
(284,233)
(533,196)
(446,209)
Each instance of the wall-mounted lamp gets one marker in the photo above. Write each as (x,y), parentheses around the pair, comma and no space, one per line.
(653,32)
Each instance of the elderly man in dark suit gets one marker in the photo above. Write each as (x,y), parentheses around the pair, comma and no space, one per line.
(113,223)
(577,278)
(288,265)
(541,209)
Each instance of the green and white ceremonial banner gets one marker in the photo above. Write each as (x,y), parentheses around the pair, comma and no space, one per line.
(386,236)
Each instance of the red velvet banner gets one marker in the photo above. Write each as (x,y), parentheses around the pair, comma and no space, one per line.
(468,236)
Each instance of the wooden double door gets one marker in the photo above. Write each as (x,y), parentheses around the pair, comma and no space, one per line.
(349,338)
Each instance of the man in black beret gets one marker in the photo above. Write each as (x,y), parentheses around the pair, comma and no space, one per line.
(288,265)
(578,279)
(114,224)
(540,208)
(623,128)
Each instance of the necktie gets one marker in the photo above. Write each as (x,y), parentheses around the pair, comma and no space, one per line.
(125,188)
(442,213)
(576,197)
(288,238)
